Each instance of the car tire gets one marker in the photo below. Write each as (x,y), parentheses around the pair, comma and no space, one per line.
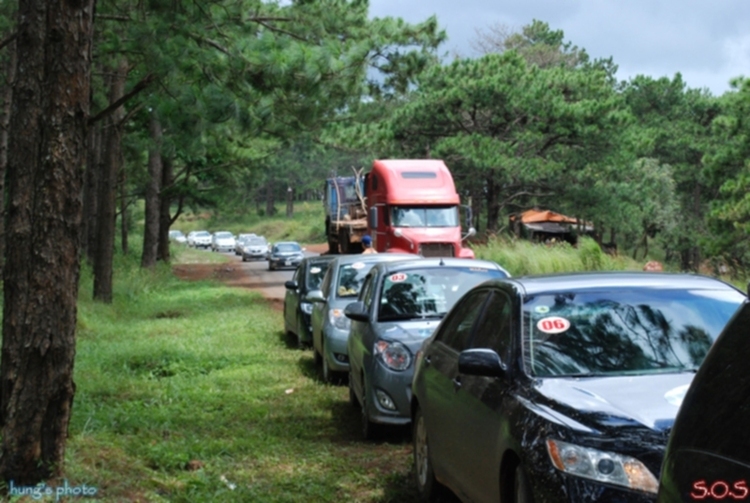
(244,258)
(352,395)
(325,367)
(270,266)
(521,488)
(428,488)
(370,430)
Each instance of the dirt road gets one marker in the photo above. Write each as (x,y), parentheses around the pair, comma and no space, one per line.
(254,274)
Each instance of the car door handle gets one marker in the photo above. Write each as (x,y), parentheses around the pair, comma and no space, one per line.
(456,383)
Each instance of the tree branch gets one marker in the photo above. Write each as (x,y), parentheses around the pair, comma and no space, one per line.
(140,86)
(10,38)
(213,44)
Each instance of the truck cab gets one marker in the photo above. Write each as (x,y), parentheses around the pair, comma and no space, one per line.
(413,207)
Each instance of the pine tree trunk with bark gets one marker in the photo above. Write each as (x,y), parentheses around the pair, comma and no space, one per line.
(151,229)
(7,100)
(48,133)
(107,200)
(91,192)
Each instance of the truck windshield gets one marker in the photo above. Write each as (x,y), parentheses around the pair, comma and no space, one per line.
(432,216)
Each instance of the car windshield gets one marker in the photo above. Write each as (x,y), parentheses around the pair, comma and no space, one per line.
(175,234)
(256,241)
(438,216)
(223,235)
(202,233)
(429,292)
(350,279)
(623,331)
(315,274)
(287,247)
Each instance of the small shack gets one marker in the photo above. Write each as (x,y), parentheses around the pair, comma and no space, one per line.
(548,226)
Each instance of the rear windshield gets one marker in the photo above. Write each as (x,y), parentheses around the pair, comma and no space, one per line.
(315,274)
(623,331)
(429,292)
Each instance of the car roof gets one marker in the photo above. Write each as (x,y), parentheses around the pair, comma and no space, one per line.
(374,257)
(616,280)
(441,262)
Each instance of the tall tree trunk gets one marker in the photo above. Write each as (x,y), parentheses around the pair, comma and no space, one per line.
(270,202)
(7,100)
(91,192)
(289,202)
(165,204)
(124,222)
(48,134)
(107,201)
(151,229)
(493,205)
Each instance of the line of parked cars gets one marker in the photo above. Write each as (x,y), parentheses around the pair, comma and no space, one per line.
(548,388)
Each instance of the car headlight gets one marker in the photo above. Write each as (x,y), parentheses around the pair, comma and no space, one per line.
(601,466)
(338,320)
(306,307)
(394,355)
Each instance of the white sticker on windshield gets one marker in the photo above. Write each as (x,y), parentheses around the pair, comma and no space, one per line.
(398,277)
(358,265)
(542,309)
(315,270)
(676,395)
(553,325)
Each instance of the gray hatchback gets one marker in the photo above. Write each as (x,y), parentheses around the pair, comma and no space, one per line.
(330,328)
(400,305)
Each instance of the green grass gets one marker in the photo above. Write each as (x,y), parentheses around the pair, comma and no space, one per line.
(174,372)
(521,257)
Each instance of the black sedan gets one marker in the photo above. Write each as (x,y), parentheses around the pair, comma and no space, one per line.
(297,311)
(708,456)
(561,388)
(285,254)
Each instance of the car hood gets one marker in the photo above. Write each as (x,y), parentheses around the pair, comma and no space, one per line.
(602,403)
(410,333)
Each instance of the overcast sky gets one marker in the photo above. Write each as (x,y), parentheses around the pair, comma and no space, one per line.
(707,42)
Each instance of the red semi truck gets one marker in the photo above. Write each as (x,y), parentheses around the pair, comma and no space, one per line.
(412,207)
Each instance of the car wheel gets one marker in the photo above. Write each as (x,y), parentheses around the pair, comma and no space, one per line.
(326,369)
(244,258)
(369,429)
(270,266)
(428,487)
(521,489)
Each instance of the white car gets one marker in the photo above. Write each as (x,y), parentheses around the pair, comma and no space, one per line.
(199,239)
(178,237)
(223,241)
(255,248)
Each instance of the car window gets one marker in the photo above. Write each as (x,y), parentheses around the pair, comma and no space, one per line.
(350,279)
(623,331)
(326,285)
(223,235)
(315,273)
(493,330)
(287,247)
(367,289)
(428,292)
(456,329)
(256,241)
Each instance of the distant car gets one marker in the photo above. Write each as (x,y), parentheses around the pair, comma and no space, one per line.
(561,388)
(330,328)
(177,237)
(255,248)
(285,254)
(199,239)
(297,310)
(239,243)
(399,306)
(708,455)
(222,241)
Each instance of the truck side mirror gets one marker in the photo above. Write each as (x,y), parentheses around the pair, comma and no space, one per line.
(373,218)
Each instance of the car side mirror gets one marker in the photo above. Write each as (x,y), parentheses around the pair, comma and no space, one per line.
(357,311)
(481,362)
(291,285)
(315,296)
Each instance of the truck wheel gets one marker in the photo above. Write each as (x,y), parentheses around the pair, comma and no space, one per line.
(344,241)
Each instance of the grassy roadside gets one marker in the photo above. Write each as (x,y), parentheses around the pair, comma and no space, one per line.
(189,391)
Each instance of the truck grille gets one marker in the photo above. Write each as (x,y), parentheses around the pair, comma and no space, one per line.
(436,250)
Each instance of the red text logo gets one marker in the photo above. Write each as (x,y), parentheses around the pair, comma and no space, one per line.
(719,490)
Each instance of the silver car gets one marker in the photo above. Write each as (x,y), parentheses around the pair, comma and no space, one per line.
(330,328)
(400,305)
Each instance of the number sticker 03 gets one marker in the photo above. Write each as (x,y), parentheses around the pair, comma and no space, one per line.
(553,325)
